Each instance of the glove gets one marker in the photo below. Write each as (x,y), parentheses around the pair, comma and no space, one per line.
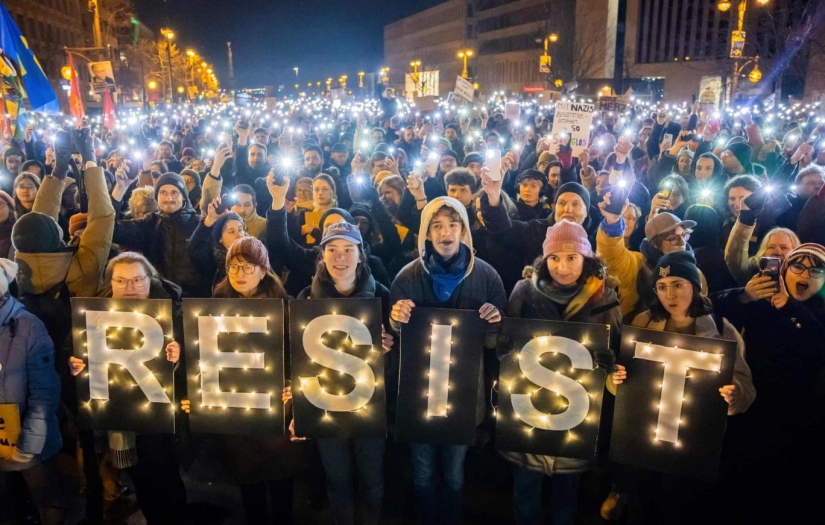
(21,457)
(84,143)
(62,157)
(605,359)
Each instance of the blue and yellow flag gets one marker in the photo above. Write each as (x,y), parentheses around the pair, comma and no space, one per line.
(37,87)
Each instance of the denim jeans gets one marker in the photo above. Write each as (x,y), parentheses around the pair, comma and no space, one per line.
(337,456)
(527,500)
(431,502)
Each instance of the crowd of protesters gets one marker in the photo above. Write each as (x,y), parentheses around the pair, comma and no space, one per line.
(679,219)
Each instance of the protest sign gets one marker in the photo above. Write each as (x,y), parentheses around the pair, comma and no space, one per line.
(669,415)
(512,111)
(337,368)
(574,119)
(463,89)
(441,355)
(550,391)
(128,383)
(235,349)
(612,104)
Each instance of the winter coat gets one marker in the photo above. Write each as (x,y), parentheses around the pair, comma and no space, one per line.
(29,379)
(595,303)
(242,172)
(481,284)
(706,327)
(163,240)
(208,256)
(634,270)
(301,262)
(79,267)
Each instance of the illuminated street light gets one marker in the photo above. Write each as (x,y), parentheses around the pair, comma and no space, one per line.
(465,54)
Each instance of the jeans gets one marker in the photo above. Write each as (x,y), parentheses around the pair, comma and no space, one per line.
(279,510)
(433,504)
(337,456)
(527,500)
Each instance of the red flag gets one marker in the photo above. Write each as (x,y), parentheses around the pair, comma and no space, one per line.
(75,102)
(108,110)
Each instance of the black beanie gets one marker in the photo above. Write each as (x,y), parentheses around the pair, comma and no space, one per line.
(36,232)
(532,174)
(450,153)
(473,156)
(578,189)
(217,228)
(175,180)
(339,148)
(339,211)
(678,264)
(743,153)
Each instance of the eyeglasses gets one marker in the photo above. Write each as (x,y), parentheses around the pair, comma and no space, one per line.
(677,287)
(813,272)
(174,193)
(136,282)
(248,269)
(676,236)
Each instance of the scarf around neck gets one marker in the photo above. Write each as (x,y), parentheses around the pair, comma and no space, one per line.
(446,275)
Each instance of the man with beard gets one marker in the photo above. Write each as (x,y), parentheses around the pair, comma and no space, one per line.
(313,160)
(250,161)
(165,154)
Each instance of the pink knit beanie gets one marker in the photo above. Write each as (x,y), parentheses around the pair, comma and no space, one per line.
(566,236)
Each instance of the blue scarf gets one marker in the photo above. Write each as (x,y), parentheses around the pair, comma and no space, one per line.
(446,275)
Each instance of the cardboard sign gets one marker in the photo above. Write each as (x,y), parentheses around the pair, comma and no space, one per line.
(464,89)
(427,103)
(235,352)
(669,415)
(574,119)
(512,111)
(441,355)
(613,104)
(312,218)
(337,368)
(128,383)
(9,428)
(550,391)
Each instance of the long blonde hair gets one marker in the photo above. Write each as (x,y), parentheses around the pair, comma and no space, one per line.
(764,244)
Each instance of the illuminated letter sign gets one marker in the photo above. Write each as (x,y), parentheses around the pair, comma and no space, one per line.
(550,392)
(441,356)
(337,368)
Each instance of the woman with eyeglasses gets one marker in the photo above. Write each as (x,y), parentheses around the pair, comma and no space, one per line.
(664,233)
(783,318)
(679,307)
(149,459)
(263,466)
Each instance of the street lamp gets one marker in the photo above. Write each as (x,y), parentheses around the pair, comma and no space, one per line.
(343,81)
(415,64)
(465,54)
(329,84)
(361,79)
(169,35)
(152,85)
(737,44)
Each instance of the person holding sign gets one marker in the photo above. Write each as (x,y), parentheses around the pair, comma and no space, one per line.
(149,459)
(568,284)
(446,275)
(342,273)
(678,307)
(261,464)
(29,430)
(783,318)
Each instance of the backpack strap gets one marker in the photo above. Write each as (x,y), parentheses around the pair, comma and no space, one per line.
(604,308)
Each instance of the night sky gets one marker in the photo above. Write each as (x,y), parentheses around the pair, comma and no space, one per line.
(324,38)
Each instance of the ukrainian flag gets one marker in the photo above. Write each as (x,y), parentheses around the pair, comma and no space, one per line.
(38,88)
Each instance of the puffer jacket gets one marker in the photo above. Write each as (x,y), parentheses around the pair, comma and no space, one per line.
(596,303)
(163,240)
(79,267)
(28,378)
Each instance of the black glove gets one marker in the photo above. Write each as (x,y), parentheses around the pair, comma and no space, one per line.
(605,359)
(62,157)
(85,144)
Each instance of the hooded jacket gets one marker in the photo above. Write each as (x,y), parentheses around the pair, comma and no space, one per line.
(163,240)
(30,381)
(595,303)
(81,267)
(716,184)
(480,284)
